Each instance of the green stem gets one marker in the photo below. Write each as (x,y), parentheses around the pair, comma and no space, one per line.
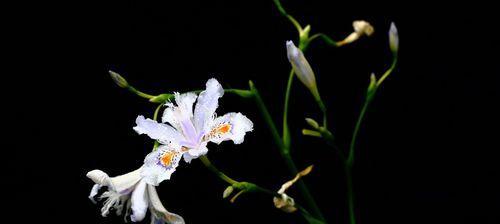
(139,93)
(244,186)
(285,152)
(322,107)
(162,98)
(350,162)
(350,157)
(221,175)
(325,38)
(389,71)
(288,16)
(267,117)
(286,130)
(350,194)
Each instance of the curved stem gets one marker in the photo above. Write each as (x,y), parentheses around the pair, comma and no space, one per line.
(389,71)
(221,175)
(162,98)
(139,93)
(325,38)
(284,151)
(350,157)
(286,130)
(283,12)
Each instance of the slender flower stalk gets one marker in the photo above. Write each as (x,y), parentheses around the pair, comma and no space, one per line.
(285,152)
(122,82)
(372,89)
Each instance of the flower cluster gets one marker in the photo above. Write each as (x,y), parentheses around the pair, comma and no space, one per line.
(184,133)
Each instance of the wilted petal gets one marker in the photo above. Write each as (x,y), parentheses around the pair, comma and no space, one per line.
(362,27)
(160,164)
(139,202)
(118,191)
(99,177)
(158,213)
(113,200)
(123,184)
(285,203)
(165,134)
(231,126)
(208,102)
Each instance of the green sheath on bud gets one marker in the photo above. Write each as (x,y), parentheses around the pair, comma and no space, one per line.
(312,123)
(118,79)
(311,133)
(372,87)
(227,192)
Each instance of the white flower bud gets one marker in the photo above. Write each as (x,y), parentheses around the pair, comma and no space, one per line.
(302,68)
(393,38)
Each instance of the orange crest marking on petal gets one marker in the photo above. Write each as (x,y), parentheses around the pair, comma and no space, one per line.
(218,131)
(223,129)
(167,157)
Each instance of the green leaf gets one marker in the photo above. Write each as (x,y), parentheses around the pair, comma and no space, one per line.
(312,220)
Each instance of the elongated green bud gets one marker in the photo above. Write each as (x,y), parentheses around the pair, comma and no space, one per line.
(118,79)
(314,124)
(227,192)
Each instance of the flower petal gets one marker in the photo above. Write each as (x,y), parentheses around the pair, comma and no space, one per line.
(99,177)
(158,213)
(160,164)
(185,103)
(231,126)
(124,184)
(301,66)
(169,117)
(208,101)
(93,192)
(139,202)
(165,134)
(194,153)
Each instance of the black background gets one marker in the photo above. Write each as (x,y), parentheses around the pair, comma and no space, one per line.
(427,152)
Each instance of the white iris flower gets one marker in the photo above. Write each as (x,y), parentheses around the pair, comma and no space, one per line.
(132,191)
(185,132)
